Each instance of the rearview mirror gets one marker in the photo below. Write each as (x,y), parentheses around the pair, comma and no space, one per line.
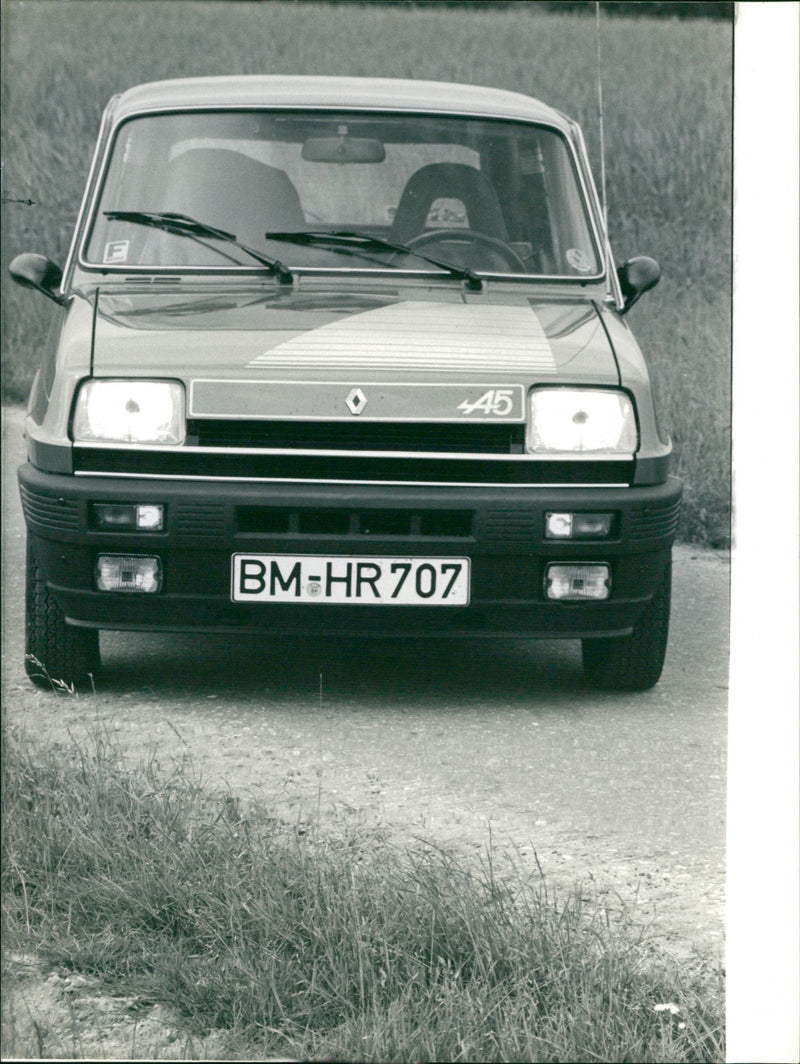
(343,149)
(637,276)
(35,271)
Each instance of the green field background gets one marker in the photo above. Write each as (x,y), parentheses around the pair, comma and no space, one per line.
(667,104)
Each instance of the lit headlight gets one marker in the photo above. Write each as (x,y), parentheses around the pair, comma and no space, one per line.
(129,412)
(581,420)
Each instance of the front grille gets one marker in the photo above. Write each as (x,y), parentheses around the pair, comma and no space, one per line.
(351,468)
(442,438)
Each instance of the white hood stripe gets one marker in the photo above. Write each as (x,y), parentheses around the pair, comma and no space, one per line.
(420,335)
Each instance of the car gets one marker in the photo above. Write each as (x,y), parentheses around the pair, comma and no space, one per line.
(344,357)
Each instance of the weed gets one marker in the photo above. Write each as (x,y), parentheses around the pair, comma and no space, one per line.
(326,945)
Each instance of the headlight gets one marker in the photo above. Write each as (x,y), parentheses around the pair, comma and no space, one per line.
(129,412)
(581,420)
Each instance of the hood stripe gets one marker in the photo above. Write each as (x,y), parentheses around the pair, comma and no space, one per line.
(422,335)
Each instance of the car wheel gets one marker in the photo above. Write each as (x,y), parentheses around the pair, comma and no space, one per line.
(56,653)
(633,662)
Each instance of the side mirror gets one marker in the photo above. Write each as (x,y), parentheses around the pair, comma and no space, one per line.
(35,271)
(637,276)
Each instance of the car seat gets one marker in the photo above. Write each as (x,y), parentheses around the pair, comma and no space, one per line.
(234,192)
(447,181)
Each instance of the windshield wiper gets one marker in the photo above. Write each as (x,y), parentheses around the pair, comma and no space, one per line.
(353,243)
(183,225)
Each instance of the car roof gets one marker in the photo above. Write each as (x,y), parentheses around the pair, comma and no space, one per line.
(385,94)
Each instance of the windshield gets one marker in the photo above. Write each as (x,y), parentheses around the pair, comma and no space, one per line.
(492,196)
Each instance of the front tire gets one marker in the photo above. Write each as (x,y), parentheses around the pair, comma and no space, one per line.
(57,655)
(633,662)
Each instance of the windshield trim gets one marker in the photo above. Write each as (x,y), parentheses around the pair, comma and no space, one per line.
(89,211)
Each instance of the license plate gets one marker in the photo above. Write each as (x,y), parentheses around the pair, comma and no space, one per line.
(310,578)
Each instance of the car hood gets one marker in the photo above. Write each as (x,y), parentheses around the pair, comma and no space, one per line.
(357,335)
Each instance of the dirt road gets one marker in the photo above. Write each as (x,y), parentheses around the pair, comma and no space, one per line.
(460,742)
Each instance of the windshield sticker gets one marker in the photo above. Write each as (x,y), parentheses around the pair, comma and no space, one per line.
(579,260)
(116,251)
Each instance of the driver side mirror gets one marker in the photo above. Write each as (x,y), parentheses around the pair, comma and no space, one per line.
(35,271)
(637,276)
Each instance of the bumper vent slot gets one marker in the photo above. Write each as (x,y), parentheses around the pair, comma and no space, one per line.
(654,522)
(276,521)
(46,512)
(511,526)
(199,519)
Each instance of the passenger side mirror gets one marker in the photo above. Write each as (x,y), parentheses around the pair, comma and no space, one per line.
(35,271)
(637,276)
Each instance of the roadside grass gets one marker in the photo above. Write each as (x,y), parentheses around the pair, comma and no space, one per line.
(332,944)
(667,104)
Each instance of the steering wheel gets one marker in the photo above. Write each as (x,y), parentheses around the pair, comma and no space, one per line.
(470,237)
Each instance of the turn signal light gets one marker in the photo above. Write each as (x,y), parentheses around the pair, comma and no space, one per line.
(577,526)
(133,517)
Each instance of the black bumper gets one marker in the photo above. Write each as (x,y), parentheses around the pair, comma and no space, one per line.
(500,529)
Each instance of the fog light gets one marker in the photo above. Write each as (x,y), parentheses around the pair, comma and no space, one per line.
(148,517)
(577,582)
(128,572)
(577,526)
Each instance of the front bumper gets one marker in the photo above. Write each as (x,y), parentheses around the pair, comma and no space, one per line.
(500,529)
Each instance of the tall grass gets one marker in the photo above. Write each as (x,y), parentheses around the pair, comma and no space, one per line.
(667,101)
(335,946)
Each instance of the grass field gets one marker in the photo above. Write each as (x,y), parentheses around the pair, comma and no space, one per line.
(334,946)
(667,102)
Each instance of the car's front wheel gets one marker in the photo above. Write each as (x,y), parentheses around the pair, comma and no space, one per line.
(633,662)
(57,654)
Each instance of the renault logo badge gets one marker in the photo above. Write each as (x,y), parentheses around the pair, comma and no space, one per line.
(356,401)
